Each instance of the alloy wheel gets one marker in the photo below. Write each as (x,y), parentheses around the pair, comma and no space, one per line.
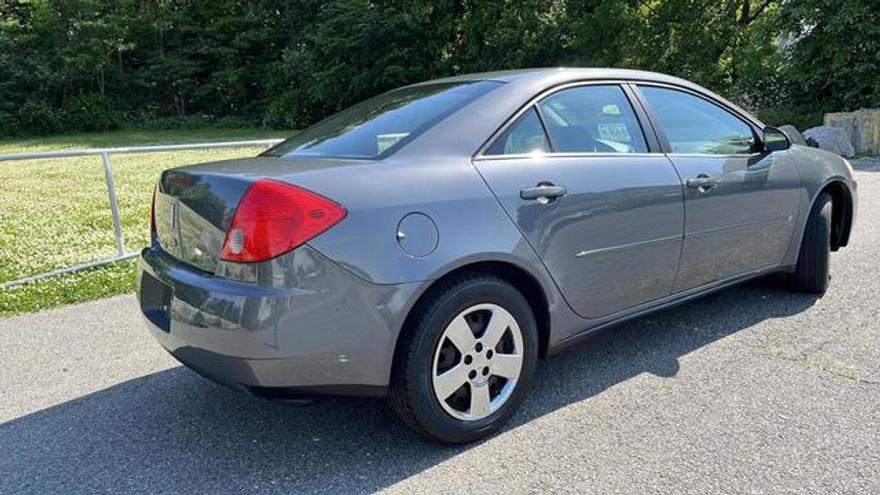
(477,362)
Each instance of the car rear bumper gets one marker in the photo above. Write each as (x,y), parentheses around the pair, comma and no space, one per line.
(322,331)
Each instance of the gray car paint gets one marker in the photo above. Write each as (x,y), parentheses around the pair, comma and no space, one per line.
(743,223)
(340,327)
(818,169)
(322,326)
(609,226)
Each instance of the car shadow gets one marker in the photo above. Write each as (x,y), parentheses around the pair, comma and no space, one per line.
(172,431)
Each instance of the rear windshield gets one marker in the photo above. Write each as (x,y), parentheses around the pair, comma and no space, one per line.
(380,126)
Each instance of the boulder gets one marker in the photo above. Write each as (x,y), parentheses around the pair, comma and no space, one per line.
(862,127)
(793,134)
(830,138)
(871,164)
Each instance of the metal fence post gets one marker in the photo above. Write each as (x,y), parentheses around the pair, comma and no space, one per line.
(114,207)
(105,153)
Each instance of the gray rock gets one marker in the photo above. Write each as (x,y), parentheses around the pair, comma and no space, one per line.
(862,127)
(793,134)
(833,139)
(870,164)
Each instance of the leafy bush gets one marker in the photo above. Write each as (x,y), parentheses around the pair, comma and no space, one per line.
(801,118)
(287,112)
(8,124)
(832,59)
(38,117)
(90,112)
(288,64)
(148,121)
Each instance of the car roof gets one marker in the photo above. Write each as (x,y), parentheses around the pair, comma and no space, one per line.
(467,130)
(561,73)
(553,76)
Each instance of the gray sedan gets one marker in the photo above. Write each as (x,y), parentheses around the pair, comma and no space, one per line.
(431,243)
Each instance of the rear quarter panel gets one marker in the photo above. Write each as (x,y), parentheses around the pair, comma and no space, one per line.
(471,224)
(377,196)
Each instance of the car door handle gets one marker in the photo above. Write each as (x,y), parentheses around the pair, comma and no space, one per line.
(544,193)
(702,182)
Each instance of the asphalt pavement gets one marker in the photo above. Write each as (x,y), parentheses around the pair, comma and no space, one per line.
(750,390)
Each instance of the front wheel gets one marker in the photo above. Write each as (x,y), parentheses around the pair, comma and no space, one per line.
(467,360)
(813,270)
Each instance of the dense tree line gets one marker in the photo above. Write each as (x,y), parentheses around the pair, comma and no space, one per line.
(96,64)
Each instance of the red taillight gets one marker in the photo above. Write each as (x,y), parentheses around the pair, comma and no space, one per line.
(273,218)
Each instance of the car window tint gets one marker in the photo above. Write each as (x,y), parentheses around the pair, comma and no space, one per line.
(525,136)
(379,126)
(595,119)
(694,125)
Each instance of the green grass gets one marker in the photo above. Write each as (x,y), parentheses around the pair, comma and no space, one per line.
(55,213)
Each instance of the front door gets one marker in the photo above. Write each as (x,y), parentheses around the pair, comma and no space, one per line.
(740,206)
(605,215)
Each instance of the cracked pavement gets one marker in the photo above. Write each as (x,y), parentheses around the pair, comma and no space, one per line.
(750,390)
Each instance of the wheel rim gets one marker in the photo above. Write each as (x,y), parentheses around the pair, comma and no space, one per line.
(477,362)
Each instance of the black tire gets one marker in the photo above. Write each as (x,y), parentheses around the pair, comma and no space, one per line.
(812,273)
(411,393)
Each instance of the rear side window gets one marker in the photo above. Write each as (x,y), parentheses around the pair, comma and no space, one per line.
(592,119)
(379,126)
(694,125)
(523,137)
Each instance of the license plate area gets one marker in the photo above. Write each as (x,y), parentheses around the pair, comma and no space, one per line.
(155,298)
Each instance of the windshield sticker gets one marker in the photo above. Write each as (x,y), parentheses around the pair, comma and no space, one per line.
(611,110)
(385,141)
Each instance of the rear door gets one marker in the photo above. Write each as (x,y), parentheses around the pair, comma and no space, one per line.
(592,194)
(740,204)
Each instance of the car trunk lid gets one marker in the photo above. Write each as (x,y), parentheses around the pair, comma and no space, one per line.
(194,205)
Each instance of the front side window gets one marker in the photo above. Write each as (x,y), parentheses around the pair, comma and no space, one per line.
(523,137)
(694,125)
(592,119)
(379,126)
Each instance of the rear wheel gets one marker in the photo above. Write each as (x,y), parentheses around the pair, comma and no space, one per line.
(465,364)
(812,273)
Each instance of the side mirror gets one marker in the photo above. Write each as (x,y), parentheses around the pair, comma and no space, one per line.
(775,140)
